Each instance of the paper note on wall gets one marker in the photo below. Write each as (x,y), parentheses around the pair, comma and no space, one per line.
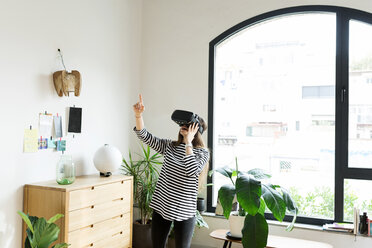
(61,145)
(30,141)
(45,125)
(51,143)
(58,126)
(42,143)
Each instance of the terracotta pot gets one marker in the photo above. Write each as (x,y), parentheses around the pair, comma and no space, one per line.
(141,235)
(236,225)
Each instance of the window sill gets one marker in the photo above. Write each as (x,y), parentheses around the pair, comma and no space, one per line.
(274,223)
(297,225)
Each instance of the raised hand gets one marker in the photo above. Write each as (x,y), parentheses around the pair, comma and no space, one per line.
(189,133)
(138,108)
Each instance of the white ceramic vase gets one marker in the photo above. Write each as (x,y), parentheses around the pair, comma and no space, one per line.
(236,223)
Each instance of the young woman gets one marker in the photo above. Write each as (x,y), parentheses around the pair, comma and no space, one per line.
(174,199)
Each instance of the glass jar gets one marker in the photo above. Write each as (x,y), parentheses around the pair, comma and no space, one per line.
(65,170)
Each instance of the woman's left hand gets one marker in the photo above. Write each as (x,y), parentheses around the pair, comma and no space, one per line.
(190,134)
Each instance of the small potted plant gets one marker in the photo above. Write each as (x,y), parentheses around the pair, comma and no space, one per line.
(40,232)
(145,171)
(253,196)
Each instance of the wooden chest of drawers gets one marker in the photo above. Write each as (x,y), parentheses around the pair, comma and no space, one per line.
(97,210)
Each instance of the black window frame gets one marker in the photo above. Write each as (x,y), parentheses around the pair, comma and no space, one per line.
(342,171)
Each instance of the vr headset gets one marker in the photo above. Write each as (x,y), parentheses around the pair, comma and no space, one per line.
(186,118)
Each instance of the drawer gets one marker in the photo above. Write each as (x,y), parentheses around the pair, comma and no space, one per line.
(96,213)
(119,240)
(98,232)
(87,197)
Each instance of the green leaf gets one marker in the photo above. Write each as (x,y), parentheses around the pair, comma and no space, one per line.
(291,205)
(262,208)
(248,191)
(259,173)
(291,226)
(255,231)
(225,171)
(27,242)
(226,196)
(274,201)
(55,218)
(26,220)
(200,222)
(29,239)
(45,233)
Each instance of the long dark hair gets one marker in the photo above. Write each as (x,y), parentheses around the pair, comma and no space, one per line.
(197,142)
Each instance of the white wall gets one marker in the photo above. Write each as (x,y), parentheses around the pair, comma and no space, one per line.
(101,39)
(176,35)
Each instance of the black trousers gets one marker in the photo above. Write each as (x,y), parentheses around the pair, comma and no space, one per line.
(160,229)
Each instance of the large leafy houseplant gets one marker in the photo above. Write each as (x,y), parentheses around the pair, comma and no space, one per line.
(254,196)
(145,171)
(40,232)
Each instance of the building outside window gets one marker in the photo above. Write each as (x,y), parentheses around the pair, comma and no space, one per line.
(287,68)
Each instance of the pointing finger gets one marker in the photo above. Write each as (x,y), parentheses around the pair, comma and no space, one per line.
(140,98)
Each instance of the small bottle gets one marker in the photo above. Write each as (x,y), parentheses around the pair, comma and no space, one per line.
(65,170)
(363,225)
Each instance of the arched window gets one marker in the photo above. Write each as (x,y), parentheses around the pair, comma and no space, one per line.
(290,91)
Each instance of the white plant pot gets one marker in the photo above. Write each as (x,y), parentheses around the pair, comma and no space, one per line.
(236,223)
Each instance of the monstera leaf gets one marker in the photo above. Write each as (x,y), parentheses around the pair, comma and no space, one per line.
(40,232)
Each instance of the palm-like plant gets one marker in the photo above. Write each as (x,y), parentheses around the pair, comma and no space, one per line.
(145,171)
(254,197)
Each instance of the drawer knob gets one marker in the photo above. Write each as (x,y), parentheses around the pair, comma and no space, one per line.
(92,206)
(122,198)
(121,216)
(92,188)
(91,244)
(122,182)
(91,226)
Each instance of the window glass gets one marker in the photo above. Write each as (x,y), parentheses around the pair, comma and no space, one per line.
(357,194)
(360,100)
(274,106)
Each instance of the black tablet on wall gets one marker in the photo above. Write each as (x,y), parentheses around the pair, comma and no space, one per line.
(74,121)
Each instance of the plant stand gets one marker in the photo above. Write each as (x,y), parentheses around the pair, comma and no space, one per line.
(221,235)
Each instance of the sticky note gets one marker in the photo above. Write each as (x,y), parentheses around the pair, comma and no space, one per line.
(30,141)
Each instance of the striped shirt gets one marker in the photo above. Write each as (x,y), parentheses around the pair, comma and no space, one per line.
(177,187)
